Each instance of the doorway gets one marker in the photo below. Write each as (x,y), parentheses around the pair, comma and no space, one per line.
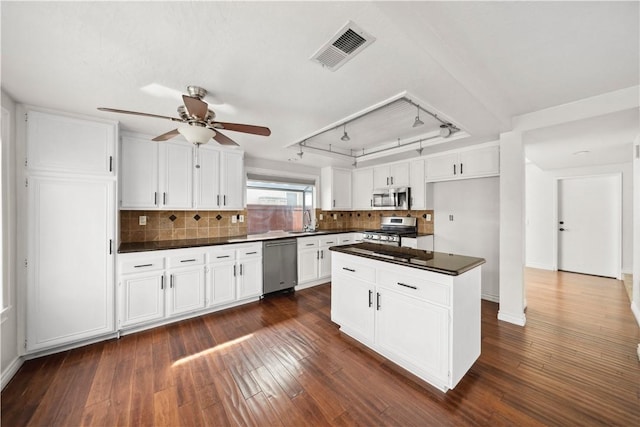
(589,225)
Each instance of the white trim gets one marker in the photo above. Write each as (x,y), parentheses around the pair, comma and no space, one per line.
(519,320)
(636,311)
(492,298)
(10,371)
(541,266)
(618,190)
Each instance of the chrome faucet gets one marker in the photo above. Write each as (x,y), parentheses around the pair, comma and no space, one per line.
(306,220)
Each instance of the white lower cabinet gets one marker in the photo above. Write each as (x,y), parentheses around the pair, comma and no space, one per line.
(314,257)
(426,322)
(235,273)
(186,290)
(141,298)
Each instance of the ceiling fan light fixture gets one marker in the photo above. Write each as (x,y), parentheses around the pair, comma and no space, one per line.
(196,134)
(345,136)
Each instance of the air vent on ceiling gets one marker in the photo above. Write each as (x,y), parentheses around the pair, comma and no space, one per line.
(344,45)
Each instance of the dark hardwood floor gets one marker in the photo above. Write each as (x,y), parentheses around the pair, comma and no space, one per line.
(281,361)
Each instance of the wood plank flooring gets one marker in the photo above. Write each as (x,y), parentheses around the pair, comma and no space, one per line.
(281,362)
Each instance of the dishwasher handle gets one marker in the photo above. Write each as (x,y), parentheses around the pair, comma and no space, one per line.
(289,243)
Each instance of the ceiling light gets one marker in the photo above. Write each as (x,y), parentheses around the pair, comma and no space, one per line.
(345,137)
(445,131)
(196,134)
(418,122)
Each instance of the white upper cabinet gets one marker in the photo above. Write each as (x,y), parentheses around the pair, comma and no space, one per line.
(393,175)
(362,188)
(59,143)
(139,173)
(335,187)
(418,184)
(176,172)
(172,175)
(469,163)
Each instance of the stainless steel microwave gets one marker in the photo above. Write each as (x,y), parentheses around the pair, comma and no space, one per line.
(397,198)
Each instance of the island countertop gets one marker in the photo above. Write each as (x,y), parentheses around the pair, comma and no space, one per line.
(438,262)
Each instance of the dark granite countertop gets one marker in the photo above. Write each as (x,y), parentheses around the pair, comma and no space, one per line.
(438,262)
(214,241)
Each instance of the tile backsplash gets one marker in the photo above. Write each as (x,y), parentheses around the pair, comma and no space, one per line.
(170,225)
(369,219)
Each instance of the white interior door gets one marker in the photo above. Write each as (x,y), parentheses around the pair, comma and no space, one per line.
(589,225)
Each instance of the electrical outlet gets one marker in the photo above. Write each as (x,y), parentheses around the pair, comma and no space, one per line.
(142,220)
(335,216)
(428,217)
(321,216)
(234,219)
(241,218)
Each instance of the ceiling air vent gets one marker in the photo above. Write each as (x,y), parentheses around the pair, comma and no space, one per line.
(344,45)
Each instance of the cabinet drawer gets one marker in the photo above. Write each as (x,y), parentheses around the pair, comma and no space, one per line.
(250,252)
(185,260)
(222,254)
(415,287)
(346,239)
(307,243)
(141,265)
(329,241)
(354,269)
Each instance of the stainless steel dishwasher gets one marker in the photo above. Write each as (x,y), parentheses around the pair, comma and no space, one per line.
(279,265)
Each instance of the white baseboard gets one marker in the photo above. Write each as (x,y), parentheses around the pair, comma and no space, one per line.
(492,298)
(311,284)
(519,319)
(540,266)
(10,371)
(636,312)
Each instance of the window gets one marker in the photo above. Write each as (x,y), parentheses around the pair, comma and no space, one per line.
(278,204)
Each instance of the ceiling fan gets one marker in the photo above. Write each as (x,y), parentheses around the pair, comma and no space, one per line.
(199,121)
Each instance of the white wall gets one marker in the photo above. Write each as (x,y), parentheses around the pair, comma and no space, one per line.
(9,360)
(474,231)
(635,305)
(540,212)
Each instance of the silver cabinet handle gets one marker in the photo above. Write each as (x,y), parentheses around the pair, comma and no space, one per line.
(350,269)
(251,253)
(461,169)
(188,260)
(454,169)
(317,254)
(142,265)
(377,300)
(370,298)
(234,270)
(334,203)
(310,244)
(408,286)
(110,246)
(223,256)
(391,180)
(155,198)
(171,281)
(218,200)
(110,163)
(164,198)
(224,200)
(387,180)
(322,254)
(241,269)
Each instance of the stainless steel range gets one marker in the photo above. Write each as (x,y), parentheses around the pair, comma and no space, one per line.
(392,228)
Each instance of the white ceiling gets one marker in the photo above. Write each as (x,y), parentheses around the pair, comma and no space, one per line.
(479,63)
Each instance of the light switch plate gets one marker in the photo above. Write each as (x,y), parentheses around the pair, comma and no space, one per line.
(428,217)
(234,219)
(241,218)
(321,217)
(335,216)
(142,220)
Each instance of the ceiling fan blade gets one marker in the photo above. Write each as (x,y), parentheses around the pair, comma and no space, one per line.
(223,139)
(166,136)
(237,127)
(195,107)
(135,113)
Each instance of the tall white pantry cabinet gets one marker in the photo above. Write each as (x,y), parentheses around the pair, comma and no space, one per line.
(69,225)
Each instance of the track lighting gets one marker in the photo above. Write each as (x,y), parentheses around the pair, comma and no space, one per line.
(345,136)
(445,130)
(418,122)
(300,153)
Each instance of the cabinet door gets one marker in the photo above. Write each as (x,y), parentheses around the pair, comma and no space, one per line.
(221,283)
(207,185)
(249,278)
(186,291)
(442,167)
(176,170)
(417,182)
(70,238)
(308,260)
(353,306)
(324,266)
(399,174)
(413,330)
(70,145)
(381,176)
(232,181)
(362,188)
(138,174)
(341,188)
(141,298)
(480,162)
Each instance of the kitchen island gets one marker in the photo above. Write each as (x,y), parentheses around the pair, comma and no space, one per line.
(419,309)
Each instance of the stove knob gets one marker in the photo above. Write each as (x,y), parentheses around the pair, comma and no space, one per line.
(384,238)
